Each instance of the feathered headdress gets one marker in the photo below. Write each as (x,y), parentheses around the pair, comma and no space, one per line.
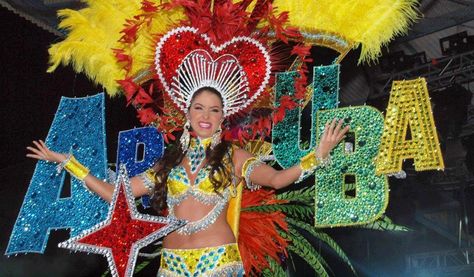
(115,42)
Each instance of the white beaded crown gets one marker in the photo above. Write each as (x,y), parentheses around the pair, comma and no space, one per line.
(187,61)
(199,70)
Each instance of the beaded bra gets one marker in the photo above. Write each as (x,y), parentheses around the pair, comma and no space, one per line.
(179,187)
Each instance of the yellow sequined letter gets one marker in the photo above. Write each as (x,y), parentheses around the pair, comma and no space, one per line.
(409,109)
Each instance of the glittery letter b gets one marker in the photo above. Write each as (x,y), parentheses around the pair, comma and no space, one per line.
(78,127)
(348,192)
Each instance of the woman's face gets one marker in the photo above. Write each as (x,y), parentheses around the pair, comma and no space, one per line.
(205,114)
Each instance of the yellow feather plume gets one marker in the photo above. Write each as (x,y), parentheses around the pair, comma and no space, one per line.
(346,24)
(93,33)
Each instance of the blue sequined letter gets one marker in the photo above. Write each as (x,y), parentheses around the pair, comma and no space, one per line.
(153,148)
(129,141)
(78,127)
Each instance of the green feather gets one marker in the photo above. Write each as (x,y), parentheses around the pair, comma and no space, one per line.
(141,266)
(385,224)
(324,238)
(275,268)
(292,210)
(304,195)
(300,246)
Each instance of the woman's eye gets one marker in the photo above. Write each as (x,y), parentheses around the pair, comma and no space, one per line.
(198,108)
(215,110)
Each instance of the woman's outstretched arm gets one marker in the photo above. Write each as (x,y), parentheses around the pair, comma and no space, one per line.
(265,175)
(105,190)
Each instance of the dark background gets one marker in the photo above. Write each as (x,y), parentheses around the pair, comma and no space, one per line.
(29,99)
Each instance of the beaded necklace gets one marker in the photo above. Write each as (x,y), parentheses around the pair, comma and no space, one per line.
(197,152)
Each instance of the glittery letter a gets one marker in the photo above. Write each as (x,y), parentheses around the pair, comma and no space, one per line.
(286,134)
(348,192)
(78,127)
(409,108)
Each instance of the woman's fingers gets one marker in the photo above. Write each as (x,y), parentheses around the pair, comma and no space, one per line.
(37,144)
(34,156)
(40,151)
(35,151)
(43,144)
(40,148)
(337,129)
(331,128)
(326,130)
(342,133)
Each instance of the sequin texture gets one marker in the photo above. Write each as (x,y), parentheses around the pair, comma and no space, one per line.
(78,127)
(286,134)
(210,261)
(333,206)
(128,142)
(409,106)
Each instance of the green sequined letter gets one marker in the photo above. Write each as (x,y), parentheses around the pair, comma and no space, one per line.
(286,134)
(348,192)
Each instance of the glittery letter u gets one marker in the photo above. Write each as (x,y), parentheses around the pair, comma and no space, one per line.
(286,134)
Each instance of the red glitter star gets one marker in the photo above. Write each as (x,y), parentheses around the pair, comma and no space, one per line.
(124,231)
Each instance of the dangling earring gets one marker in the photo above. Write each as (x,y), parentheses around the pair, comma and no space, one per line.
(185,137)
(216,138)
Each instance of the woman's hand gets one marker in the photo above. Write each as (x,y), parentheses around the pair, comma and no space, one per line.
(41,152)
(332,135)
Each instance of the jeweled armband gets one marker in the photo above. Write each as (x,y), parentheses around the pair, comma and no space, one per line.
(148,178)
(310,163)
(74,167)
(247,168)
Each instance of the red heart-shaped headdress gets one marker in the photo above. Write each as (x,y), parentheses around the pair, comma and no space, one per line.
(187,60)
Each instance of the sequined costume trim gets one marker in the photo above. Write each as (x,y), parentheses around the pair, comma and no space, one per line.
(180,187)
(208,219)
(247,168)
(310,162)
(219,261)
(148,178)
(197,153)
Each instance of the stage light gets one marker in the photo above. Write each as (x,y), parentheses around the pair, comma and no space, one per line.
(398,61)
(456,44)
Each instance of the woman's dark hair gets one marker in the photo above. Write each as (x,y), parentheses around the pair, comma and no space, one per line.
(217,159)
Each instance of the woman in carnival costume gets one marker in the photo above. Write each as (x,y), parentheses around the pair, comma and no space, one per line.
(196,181)
(218,65)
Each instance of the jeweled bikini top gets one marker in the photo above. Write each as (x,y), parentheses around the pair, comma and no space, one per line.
(179,184)
(180,187)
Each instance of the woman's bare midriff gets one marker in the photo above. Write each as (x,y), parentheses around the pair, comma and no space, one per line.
(215,234)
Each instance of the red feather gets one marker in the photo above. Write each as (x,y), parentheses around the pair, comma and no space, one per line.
(129,88)
(146,115)
(286,103)
(124,58)
(149,7)
(258,232)
(142,97)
